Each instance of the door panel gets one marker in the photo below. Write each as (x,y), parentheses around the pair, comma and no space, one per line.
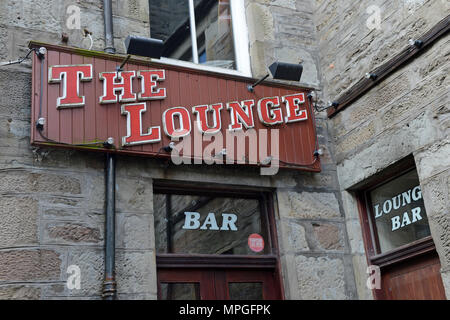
(217,284)
(203,280)
(266,280)
(415,279)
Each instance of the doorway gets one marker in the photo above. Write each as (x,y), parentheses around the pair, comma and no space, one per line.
(397,237)
(215,244)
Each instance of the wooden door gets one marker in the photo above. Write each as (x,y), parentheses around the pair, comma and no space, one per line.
(413,279)
(218,284)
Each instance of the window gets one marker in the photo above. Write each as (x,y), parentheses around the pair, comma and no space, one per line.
(399,213)
(198,224)
(208,33)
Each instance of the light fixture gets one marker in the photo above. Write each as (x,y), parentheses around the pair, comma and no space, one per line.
(416,43)
(318,153)
(267,161)
(39,52)
(145,47)
(169,148)
(40,124)
(371,76)
(333,104)
(281,71)
(120,68)
(222,153)
(109,143)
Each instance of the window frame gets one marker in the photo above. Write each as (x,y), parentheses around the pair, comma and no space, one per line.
(369,231)
(241,45)
(265,261)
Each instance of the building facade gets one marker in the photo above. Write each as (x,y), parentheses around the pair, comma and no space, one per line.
(381,197)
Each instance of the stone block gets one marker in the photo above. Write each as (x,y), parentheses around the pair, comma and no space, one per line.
(136,272)
(260,23)
(293,237)
(23,181)
(15,100)
(329,236)
(18,221)
(91,264)
(308,205)
(355,139)
(20,292)
(135,231)
(30,265)
(436,193)
(72,233)
(320,278)
(440,231)
(433,160)
(134,195)
(361,277)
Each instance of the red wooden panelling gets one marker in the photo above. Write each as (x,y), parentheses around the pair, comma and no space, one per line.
(72,127)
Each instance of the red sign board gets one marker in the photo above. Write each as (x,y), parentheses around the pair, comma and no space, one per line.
(81,100)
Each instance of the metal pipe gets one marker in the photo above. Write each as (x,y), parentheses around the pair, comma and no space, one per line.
(109,283)
(108,21)
(193,31)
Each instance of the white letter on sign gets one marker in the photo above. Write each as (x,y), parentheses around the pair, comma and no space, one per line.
(210,220)
(192,221)
(395,223)
(229,222)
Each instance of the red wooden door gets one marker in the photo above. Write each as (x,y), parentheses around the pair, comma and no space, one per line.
(217,284)
(414,279)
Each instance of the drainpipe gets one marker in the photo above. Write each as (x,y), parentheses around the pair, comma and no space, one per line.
(109,33)
(109,282)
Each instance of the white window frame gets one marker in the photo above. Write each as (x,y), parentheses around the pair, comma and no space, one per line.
(241,44)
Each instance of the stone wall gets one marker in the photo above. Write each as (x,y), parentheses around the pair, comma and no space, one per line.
(52,201)
(408,113)
(283,30)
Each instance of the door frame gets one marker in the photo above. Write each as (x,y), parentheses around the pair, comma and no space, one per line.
(267,262)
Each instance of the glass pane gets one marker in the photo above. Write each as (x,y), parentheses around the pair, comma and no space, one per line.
(215,33)
(209,225)
(246,291)
(399,212)
(169,21)
(180,291)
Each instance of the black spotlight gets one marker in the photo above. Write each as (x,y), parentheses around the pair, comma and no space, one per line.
(145,47)
(281,71)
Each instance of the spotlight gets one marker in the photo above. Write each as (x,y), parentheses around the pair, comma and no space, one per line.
(281,71)
(145,47)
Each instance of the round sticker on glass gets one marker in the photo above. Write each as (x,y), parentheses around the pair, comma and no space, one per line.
(256,242)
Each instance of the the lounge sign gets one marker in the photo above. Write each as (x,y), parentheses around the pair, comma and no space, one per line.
(176,121)
(145,107)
